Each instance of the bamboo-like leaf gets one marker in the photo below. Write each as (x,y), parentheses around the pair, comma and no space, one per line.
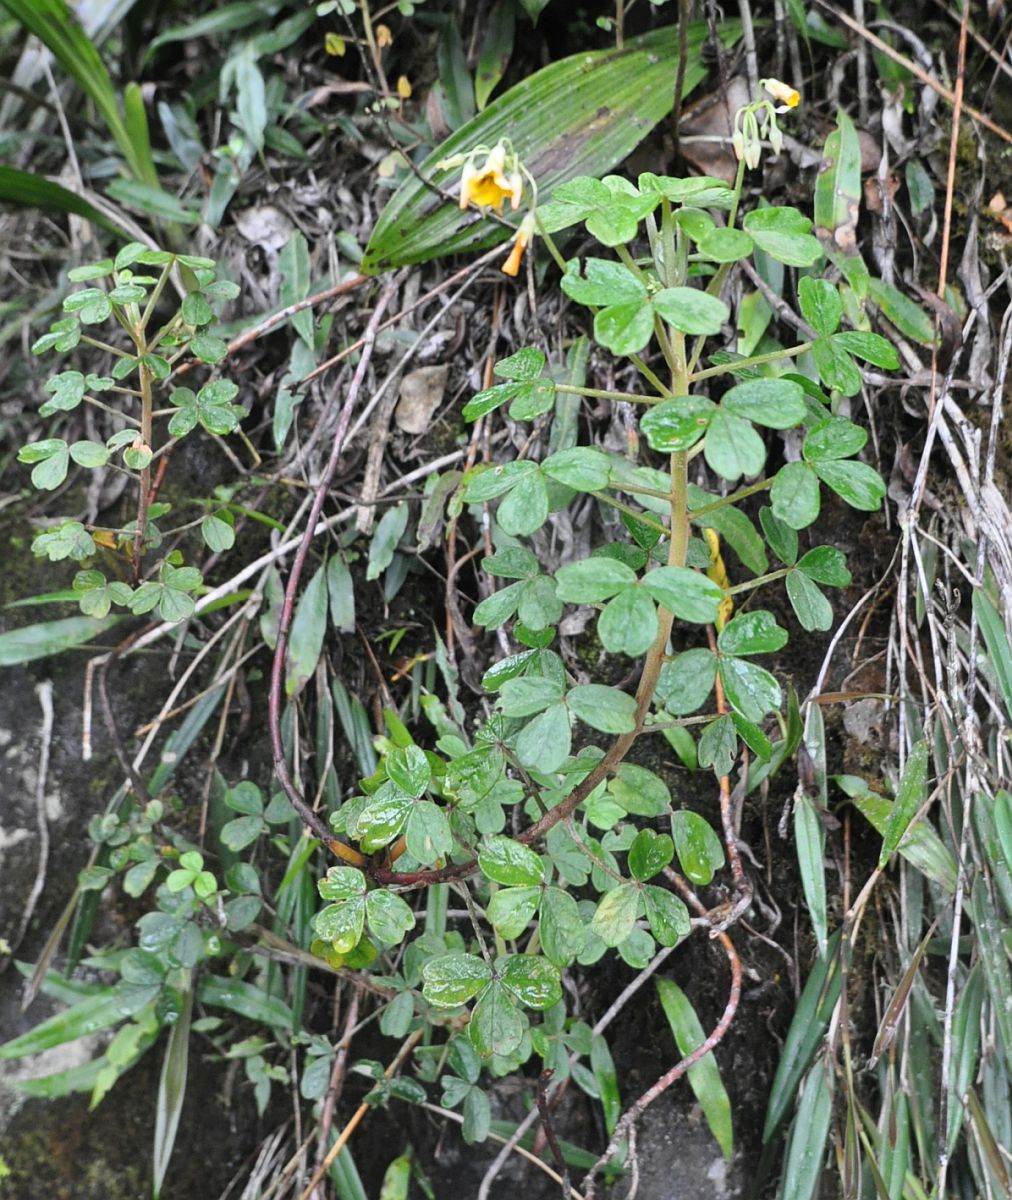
(90,1015)
(908,800)
(136,121)
(308,628)
(989,923)
(897,1005)
(344,1176)
(603,1066)
(894,1152)
(171,1091)
(807,1146)
(810,840)
(579,116)
(990,1151)
(245,999)
(55,26)
(922,847)
(818,999)
(178,743)
(704,1076)
(997,643)
(35,191)
(965,1050)
(838,187)
(49,637)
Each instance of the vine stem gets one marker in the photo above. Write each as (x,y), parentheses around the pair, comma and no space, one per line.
(308,817)
(144,487)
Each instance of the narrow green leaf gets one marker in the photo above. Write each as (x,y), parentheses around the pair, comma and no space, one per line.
(309,626)
(838,189)
(909,798)
(704,1076)
(34,191)
(997,643)
(50,637)
(87,1016)
(808,1027)
(807,1146)
(246,999)
(171,1092)
(810,839)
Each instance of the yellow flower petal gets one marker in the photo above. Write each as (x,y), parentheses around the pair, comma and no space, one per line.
(782,92)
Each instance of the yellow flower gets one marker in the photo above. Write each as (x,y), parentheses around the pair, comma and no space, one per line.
(520,243)
(489,185)
(786,96)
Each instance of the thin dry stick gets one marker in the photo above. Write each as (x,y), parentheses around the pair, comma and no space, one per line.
(545,1115)
(429,295)
(356,1120)
(44,691)
(286,547)
(914,70)
(308,817)
(337,1076)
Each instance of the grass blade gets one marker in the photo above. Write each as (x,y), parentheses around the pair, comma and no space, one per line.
(909,798)
(818,999)
(50,637)
(807,1149)
(90,1015)
(243,998)
(171,1091)
(704,1076)
(34,191)
(54,25)
(603,1066)
(996,641)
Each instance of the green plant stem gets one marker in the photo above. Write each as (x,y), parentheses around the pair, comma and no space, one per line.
(643,518)
(604,394)
(144,489)
(754,361)
(725,501)
(99,345)
(638,489)
(156,293)
(759,581)
(677,549)
(717,282)
(116,412)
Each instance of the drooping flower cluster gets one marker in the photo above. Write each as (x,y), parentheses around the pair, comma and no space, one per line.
(759,119)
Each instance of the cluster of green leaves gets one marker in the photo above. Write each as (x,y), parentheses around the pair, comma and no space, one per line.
(194,916)
(598,882)
(126,292)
